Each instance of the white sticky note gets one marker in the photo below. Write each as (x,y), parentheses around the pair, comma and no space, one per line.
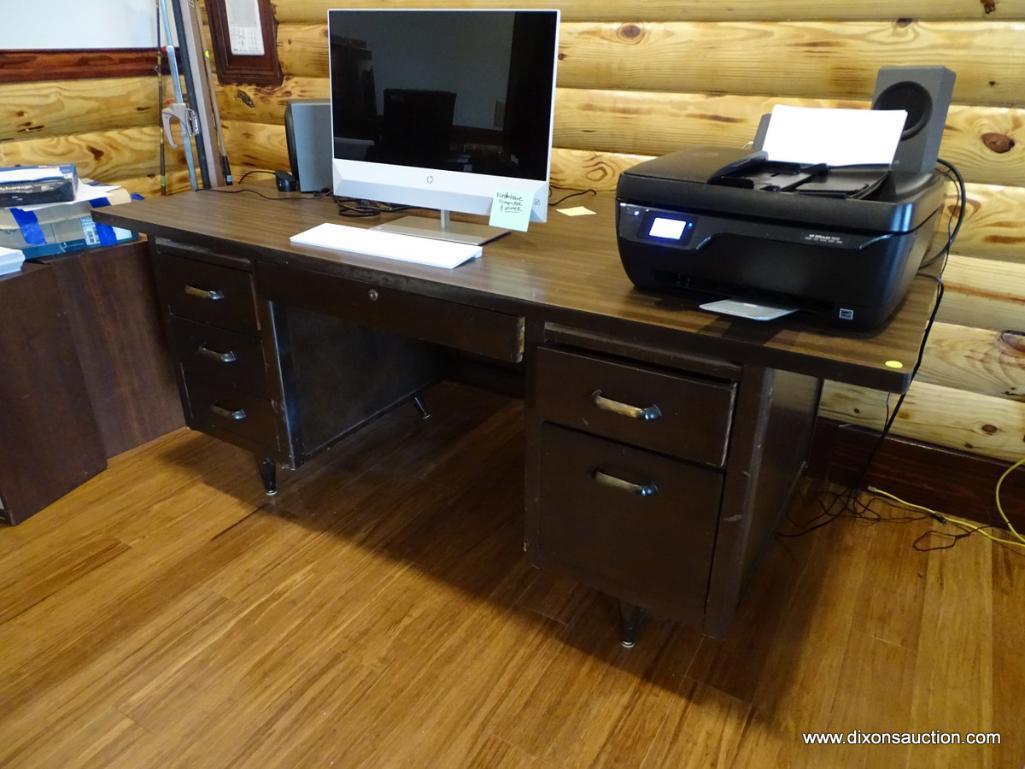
(510,210)
(576,211)
(839,137)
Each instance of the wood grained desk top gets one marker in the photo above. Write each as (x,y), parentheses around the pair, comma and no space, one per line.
(565,271)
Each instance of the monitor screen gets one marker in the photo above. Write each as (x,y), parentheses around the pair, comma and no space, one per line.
(465,91)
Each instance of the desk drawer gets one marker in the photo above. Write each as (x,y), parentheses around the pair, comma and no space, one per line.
(637,525)
(228,413)
(207,293)
(686,417)
(463,327)
(221,356)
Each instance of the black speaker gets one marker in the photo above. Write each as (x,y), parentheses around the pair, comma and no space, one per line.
(308,135)
(925,93)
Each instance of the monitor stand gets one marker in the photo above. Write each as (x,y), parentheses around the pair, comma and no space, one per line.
(443,229)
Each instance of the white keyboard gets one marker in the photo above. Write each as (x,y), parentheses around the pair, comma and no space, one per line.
(387,245)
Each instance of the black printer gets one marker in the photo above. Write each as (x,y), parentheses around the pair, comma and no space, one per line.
(839,243)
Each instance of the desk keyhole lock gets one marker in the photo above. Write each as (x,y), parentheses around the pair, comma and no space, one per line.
(372,293)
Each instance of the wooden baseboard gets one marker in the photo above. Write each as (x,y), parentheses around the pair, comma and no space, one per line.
(951,481)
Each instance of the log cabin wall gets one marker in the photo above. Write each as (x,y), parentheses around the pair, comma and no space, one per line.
(648,77)
(95,108)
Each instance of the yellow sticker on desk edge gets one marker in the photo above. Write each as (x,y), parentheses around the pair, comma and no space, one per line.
(894,364)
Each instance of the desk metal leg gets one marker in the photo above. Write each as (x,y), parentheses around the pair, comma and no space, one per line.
(630,617)
(421,405)
(269,476)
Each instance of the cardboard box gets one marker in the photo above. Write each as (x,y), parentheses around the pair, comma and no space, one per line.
(59,228)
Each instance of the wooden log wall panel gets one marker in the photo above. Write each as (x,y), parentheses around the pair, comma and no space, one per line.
(807,59)
(261,104)
(651,123)
(53,108)
(995,223)
(302,49)
(582,169)
(976,360)
(256,145)
(942,416)
(102,155)
(149,185)
(309,11)
(814,59)
(984,293)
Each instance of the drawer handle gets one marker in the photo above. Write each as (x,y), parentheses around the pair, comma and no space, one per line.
(647,490)
(648,414)
(214,355)
(202,293)
(235,416)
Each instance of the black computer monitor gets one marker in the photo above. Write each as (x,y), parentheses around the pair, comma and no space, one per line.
(442,108)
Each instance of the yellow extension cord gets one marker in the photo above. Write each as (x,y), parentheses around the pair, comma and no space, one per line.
(1018,541)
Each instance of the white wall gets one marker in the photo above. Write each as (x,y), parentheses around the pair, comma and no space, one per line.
(78,23)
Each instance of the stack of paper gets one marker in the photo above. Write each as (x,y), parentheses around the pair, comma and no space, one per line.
(48,229)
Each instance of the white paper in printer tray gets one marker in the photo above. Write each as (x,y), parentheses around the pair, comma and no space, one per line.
(839,137)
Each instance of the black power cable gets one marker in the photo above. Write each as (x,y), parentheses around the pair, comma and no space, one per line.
(846,502)
(576,194)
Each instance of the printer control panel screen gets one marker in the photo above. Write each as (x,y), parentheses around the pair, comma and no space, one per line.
(667,228)
(671,229)
(661,226)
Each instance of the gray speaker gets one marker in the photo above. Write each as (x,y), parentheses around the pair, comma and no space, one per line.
(308,134)
(925,93)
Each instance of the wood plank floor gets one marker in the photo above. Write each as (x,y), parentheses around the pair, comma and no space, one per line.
(380,613)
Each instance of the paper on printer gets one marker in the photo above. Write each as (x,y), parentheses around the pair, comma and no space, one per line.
(837,137)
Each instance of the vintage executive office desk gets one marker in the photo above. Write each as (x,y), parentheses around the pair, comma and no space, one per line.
(662,442)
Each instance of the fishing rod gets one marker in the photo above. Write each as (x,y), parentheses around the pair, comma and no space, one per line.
(178,110)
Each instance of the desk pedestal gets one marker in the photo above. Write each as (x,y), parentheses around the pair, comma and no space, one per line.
(659,478)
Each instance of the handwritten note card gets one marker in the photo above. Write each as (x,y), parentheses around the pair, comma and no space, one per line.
(511,211)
